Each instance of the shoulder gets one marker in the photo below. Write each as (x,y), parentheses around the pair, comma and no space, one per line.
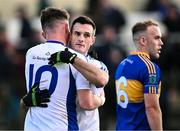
(78,54)
(97,63)
(34,49)
(152,67)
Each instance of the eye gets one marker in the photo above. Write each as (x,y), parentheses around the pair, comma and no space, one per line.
(86,35)
(157,37)
(77,33)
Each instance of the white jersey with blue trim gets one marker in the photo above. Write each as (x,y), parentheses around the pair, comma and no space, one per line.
(88,120)
(61,81)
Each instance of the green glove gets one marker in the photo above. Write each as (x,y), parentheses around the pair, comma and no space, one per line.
(62,56)
(36,97)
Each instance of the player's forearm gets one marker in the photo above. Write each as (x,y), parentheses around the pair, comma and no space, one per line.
(154,116)
(91,73)
(88,100)
(95,102)
(98,101)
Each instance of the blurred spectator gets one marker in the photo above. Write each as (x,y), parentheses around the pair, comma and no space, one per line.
(152,5)
(9,108)
(6,53)
(24,19)
(36,38)
(109,48)
(160,6)
(19,27)
(111,53)
(169,65)
(172,18)
(42,4)
(104,13)
(171,84)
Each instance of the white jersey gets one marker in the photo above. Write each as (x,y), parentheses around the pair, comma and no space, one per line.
(88,120)
(62,81)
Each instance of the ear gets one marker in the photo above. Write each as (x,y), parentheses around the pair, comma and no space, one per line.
(44,35)
(143,40)
(67,28)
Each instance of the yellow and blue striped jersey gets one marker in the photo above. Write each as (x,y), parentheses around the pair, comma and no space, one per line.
(135,76)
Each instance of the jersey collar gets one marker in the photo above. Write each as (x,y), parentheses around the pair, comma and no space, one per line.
(54,41)
(139,53)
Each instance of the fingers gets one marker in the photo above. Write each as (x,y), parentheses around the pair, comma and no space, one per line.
(53,55)
(43,105)
(52,59)
(45,100)
(51,63)
(45,91)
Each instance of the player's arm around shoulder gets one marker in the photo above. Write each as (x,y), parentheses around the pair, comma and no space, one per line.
(79,61)
(92,73)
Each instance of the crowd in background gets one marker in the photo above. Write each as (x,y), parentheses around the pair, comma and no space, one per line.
(110,49)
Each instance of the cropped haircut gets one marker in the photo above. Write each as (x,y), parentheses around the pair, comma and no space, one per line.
(142,26)
(84,20)
(50,15)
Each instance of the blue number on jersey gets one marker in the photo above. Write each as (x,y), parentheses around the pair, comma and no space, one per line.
(38,74)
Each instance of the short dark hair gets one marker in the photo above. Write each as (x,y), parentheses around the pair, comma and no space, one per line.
(83,20)
(142,26)
(50,15)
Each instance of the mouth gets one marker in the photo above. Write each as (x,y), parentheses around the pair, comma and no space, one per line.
(80,45)
(159,51)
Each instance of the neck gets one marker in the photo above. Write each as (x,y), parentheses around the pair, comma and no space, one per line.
(53,36)
(57,39)
(57,33)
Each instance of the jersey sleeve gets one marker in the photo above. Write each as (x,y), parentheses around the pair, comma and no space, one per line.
(80,80)
(98,64)
(104,67)
(95,90)
(152,80)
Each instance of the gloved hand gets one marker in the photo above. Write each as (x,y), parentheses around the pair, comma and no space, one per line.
(36,98)
(62,56)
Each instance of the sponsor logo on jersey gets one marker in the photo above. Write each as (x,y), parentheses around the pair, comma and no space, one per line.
(39,58)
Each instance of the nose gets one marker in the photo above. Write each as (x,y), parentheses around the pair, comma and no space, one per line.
(81,38)
(161,42)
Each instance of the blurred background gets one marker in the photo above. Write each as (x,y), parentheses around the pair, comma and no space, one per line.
(20,30)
